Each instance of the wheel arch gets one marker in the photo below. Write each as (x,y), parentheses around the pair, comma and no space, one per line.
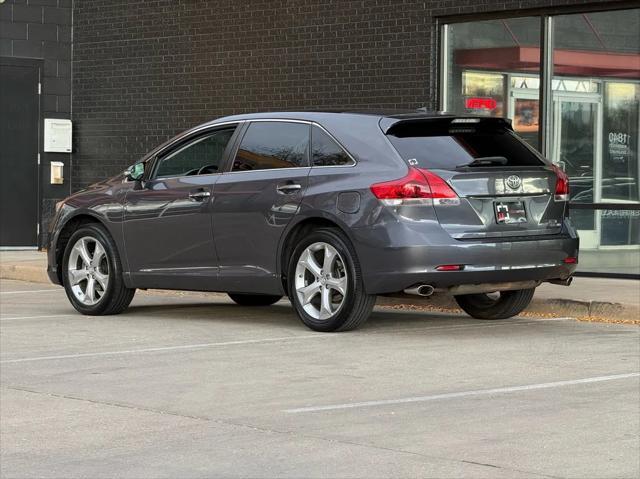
(298,230)
(70,226)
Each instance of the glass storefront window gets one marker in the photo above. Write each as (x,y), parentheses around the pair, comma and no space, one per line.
(593,120)
(595,130)
(493,69)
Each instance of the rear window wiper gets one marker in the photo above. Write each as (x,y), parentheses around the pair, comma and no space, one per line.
(486,161)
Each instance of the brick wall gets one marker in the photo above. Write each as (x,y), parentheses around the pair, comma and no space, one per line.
(145,70)
(41,30)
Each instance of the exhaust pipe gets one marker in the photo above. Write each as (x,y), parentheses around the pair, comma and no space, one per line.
(420,290)
(562,282)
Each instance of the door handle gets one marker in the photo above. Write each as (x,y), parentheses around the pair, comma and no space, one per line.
(289,188)
(199,195)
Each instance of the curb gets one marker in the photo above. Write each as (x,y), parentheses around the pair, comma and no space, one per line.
(553,307)
(33,271)
(24,271)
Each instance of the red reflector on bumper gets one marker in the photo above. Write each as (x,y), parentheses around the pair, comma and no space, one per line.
(570,260)
(450,267)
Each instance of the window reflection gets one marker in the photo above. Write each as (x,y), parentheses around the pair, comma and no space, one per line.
(269,145)
(202,156)
(325,151)
(493,70)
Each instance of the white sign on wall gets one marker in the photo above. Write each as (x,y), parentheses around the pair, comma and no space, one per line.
(57,135)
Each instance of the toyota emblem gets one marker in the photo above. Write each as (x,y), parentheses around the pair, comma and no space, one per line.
(514,182)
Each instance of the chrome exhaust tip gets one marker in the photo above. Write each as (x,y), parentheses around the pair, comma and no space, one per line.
(562,282)
(420,290)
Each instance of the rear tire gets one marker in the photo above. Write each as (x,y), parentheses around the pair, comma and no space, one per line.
(254,299)
(325,283)
(506,305)
(92,273)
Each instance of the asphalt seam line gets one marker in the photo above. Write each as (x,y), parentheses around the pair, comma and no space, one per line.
(461,394)
(110,403)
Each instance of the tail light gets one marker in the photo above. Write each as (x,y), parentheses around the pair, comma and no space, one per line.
(562,185)
(418,187)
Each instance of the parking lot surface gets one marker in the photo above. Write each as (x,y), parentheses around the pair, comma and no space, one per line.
(196,386)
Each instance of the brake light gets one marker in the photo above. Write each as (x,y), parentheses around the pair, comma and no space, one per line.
(418,187)
(562,185)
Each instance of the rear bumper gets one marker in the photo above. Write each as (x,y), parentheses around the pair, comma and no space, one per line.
(443,281)
(391,268)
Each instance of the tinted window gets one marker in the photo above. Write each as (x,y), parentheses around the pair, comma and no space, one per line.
(203,156)
(325,151)
(268,145)
(450,148)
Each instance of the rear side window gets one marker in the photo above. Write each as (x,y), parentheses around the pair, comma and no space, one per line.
(444,148)
(325,151)
(269,145)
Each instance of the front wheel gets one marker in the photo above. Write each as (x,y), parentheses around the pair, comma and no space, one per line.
(92,273)
(325,283)
(499,305)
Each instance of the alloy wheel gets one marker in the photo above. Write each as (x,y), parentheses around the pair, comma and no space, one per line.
(88,270)
(321,280)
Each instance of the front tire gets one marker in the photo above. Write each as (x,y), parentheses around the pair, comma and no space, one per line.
(92,273)
(505,305)
(254,299)
(325,283)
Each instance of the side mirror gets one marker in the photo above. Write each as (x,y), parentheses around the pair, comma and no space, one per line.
(134,172)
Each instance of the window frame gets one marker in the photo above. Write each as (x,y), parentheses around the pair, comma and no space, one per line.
(244,128)
(192,137)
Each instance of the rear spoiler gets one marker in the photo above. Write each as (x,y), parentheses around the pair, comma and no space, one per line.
(389,125)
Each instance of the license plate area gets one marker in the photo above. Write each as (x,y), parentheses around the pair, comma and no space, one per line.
(510,212)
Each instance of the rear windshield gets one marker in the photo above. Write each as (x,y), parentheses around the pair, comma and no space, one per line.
(431,146)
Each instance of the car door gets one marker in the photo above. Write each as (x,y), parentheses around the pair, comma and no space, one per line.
(167,218)
(256,200)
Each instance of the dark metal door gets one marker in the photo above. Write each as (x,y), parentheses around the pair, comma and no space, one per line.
(19,104)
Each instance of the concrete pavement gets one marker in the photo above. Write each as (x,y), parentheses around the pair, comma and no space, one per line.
(195,386)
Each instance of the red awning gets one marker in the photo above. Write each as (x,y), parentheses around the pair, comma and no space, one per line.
(566,62)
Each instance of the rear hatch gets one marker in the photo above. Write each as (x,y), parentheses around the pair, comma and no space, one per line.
(505,187)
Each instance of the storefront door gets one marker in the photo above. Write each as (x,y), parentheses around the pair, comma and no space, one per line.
(577,136)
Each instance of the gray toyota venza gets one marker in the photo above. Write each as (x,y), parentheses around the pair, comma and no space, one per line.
(329,209)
